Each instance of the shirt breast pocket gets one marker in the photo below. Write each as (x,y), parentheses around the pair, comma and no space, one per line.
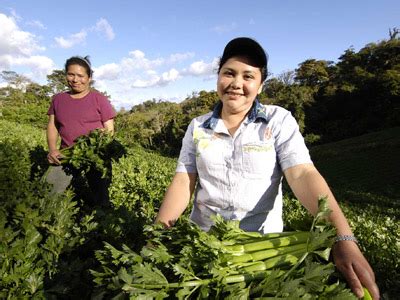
(210,155)
(259,159)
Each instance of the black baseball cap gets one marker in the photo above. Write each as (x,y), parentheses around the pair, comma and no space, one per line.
(247,47)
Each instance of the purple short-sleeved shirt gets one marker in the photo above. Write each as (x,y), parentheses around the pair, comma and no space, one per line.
(76,117)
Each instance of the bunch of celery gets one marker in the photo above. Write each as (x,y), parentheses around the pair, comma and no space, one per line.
(94,151)
(186,263)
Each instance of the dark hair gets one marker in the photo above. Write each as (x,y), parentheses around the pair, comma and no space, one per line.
(81,61)
(249,48)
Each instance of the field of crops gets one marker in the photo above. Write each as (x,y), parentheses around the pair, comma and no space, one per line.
(57,247)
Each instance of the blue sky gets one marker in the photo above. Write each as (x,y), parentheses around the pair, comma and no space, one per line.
(167,49)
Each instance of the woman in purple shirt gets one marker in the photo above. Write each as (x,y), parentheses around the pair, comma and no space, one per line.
(75,113)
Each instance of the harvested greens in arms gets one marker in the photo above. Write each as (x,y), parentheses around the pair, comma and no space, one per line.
(185,262)
(94,151)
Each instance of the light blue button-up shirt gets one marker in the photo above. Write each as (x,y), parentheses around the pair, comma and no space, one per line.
(240,176)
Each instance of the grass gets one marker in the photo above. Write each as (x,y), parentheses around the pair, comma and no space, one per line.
(363,174)
(367,165)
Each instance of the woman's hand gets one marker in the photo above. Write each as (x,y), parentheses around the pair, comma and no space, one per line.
(354,267)
(54,157)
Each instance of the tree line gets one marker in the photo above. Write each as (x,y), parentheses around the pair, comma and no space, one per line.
(331,100)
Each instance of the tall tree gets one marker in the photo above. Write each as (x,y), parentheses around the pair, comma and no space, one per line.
(283,91)
(57,82)
(15,80)
(313,72)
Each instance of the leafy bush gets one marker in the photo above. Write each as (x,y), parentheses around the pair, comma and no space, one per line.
(48,243)
(379,237)
(16,143)
(140,180)
(33,235)
(378,233)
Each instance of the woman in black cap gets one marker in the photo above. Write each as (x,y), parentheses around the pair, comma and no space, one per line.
(75,113)
(238,154)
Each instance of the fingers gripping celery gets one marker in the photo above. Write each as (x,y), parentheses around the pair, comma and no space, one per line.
(367,295)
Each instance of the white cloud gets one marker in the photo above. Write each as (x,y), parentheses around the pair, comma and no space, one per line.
(14,14)
(19,48)
(37,24)
(137,78)
(107,72)
(14,41)
(140,83)
(104,27)
(79,38)
(177,57)
(72,40)
(137,54)
(151,72)
(138,61)
(200,68)
(40,65)
(168,77)
(6,61)
(220,29)
(156,80)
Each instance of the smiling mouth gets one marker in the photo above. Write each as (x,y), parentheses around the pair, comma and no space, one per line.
(233,94)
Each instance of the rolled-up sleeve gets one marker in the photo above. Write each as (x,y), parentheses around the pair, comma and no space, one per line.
(187,156)
(290,146)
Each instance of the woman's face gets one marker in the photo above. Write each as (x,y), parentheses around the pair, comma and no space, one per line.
(238,85)
(78,79)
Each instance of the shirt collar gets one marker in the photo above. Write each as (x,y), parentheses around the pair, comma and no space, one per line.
(257,112)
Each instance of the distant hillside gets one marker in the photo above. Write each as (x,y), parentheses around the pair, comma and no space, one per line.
(367,166)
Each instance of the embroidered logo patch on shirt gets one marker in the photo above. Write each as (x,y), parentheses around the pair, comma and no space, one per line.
(203,139)
(257,147)
(267,133)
